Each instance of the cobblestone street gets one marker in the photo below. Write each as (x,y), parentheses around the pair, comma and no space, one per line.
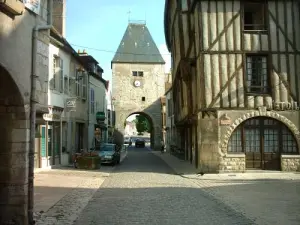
(61,194)
(144,190)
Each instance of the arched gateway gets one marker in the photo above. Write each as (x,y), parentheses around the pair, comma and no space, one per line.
(14,142)
(138,78)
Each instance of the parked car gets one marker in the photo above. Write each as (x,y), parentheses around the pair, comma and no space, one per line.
(110,153)
(128,141)
(140,143)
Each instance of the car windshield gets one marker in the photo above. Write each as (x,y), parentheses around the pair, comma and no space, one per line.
(107,148)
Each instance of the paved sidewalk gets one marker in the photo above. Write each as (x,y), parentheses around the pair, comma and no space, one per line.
(61,194)
(265,197)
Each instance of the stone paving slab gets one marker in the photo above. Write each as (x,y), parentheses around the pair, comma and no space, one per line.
(61,194)
(265,197)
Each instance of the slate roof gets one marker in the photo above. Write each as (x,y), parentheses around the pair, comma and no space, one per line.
(137,46)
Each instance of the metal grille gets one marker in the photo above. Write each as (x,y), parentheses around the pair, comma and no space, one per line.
(257,74)
(276,137)
(235,142)
(289,144)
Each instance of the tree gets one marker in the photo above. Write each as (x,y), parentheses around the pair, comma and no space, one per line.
(142,124)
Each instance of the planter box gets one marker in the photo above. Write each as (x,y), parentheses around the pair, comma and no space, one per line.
(89,162)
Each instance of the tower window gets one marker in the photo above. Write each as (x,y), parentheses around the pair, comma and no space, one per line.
(137,73)
(143,99)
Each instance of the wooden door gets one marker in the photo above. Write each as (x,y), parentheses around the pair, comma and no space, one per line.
(262,147)
(253,149)
(270,148)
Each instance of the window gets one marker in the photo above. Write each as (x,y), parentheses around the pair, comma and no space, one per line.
(77,82)
(55,72)
(66,85)
(254,15)
(143,99)
(92,101)
(137,73)
(84,86)
(185,5)
(61,76)
(262,134)
(257,75)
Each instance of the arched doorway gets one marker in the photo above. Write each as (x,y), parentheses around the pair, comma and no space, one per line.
(14,141)
(130,124)
(263,140)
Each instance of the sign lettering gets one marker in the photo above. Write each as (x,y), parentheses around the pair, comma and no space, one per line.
(283,106)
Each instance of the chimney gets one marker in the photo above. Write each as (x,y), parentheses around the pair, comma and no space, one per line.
(59,16)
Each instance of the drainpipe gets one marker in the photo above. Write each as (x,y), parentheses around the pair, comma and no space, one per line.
(88,111)
(33,102)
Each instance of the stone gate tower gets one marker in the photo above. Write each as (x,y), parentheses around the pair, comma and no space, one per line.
(138,79)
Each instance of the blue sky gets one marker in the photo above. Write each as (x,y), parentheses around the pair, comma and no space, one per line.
(102,23)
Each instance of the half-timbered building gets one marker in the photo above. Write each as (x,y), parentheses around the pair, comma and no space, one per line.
(236,69)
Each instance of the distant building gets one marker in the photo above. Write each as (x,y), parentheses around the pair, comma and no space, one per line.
(138,79)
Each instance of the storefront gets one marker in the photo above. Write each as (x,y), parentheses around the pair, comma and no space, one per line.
(266,140)
(50,138)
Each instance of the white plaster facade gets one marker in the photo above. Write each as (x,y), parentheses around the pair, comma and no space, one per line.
(70,127)
(97,88)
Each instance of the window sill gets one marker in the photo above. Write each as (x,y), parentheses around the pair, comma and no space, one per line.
(258,94)
(287,156)
(255,31)
(235,155)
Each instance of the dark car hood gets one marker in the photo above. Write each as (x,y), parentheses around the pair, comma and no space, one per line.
(104,153)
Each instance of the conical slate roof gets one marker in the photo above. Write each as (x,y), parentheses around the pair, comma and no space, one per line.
(137,46)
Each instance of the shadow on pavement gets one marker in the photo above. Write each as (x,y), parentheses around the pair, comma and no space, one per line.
(241,203)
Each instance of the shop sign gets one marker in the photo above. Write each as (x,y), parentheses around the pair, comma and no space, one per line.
(283,106)
(33,5)
(71,104)
(225,120)
(51,117)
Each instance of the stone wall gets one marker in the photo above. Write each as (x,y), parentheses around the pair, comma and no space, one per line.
(290,163)
(233,163)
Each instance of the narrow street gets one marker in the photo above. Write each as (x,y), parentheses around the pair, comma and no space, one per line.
(144,190)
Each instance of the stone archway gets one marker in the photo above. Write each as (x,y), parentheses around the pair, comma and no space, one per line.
(14,139)
(156,129)
(271,114)
(150,119)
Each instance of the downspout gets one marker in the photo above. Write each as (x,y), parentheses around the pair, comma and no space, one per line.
(88,111)
(33,102)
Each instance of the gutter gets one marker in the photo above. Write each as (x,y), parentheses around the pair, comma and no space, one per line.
(33,102)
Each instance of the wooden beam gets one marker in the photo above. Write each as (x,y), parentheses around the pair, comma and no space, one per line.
(225,86)
(282,31)
(285,83)
(224,30)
